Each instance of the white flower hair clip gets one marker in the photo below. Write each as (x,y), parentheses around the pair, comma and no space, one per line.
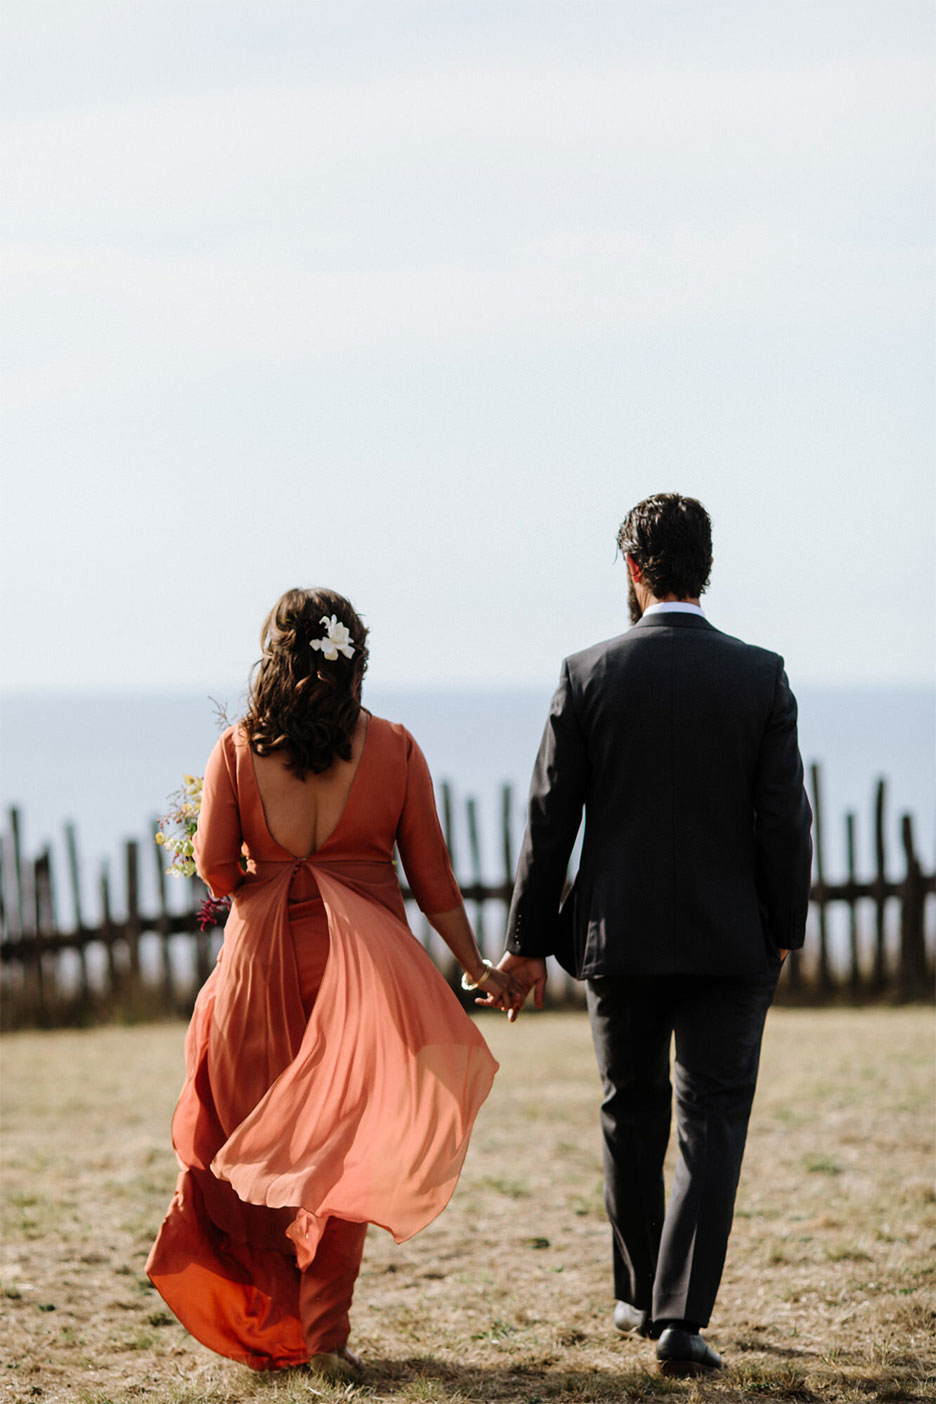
(337,640)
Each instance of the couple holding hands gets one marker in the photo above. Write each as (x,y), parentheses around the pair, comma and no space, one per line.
(333,1078)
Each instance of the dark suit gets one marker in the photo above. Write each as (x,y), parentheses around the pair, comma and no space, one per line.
(679,743)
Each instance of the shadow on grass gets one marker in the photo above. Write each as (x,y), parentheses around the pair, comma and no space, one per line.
(758,1347)
(439,1382)
(424,1378)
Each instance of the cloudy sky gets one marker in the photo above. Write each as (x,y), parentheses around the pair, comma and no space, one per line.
(416,299)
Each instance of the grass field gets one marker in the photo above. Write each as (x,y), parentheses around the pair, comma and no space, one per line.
(828,1293)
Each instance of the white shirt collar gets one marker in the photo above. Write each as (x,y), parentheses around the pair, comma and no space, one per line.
(674,607)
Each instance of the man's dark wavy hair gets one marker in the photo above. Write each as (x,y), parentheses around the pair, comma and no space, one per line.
(300,702)
(670,538)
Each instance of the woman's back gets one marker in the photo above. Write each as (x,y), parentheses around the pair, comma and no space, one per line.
(301,815)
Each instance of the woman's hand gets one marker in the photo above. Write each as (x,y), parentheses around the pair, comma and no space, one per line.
(501,991)
(525,973)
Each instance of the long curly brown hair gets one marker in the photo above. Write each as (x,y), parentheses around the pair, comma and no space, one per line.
(300,702)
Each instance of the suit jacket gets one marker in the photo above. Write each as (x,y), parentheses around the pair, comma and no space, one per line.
(679,743)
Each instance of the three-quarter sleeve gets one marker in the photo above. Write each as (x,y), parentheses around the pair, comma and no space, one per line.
(421,842)
(218,838)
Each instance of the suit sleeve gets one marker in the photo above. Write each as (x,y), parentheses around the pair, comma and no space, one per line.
(557,797)
(218,838)
(782,823)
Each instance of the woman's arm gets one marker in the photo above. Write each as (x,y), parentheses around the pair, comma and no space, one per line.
(498,989)
(432,882)
(218,838)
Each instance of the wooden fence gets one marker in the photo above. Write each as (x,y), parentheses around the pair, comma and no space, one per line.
(46,975)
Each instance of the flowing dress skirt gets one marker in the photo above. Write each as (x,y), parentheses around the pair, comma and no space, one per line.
(332,1081)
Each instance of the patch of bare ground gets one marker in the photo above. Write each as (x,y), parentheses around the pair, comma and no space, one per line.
(828,1293)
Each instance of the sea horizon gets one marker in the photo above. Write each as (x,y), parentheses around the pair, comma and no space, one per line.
(108,760)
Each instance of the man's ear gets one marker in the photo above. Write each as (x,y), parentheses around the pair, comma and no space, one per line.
(634,568)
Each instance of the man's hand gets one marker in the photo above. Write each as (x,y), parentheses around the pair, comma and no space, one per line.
(501,991)
(528,973)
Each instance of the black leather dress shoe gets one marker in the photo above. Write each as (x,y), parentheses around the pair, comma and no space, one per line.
(630,1320)
(685,1353)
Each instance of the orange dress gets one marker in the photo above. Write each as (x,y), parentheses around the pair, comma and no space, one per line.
(332,1077)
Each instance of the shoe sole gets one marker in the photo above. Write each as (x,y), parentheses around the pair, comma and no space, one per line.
(683,1369)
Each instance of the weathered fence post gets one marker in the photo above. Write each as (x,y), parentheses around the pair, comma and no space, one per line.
(107,930)
(855,969)
(17,870)
(132,861)
(507,845)
(825,977)
(912,938)
(162,923)
(448,818)
(49,903)
(474,845)
(4,930)
(446,961)
(74,874)
(879,885)
(43,925)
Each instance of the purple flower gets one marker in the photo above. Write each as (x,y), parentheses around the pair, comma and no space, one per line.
(213,912)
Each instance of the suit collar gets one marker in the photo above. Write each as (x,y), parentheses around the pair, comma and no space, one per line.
(673,619)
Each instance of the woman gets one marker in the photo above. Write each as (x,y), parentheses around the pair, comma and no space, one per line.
(332,1076)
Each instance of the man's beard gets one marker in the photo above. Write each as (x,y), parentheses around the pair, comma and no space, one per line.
(636,610)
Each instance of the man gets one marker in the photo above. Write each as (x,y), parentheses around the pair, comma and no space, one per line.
(679,743)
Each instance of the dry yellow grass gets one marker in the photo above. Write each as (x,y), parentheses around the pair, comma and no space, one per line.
(828,1293)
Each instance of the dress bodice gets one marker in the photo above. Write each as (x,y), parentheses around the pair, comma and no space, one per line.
(390,805)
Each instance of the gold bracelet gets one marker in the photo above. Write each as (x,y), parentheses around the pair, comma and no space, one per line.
(468,984)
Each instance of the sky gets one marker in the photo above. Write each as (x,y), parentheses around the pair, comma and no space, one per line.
(416,300)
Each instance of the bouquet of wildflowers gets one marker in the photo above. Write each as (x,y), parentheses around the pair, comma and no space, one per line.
(176,834)
(176,830)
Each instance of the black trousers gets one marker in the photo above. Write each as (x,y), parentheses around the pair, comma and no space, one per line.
(668,1260)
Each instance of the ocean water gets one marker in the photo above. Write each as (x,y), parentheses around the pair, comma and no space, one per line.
(109,764)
